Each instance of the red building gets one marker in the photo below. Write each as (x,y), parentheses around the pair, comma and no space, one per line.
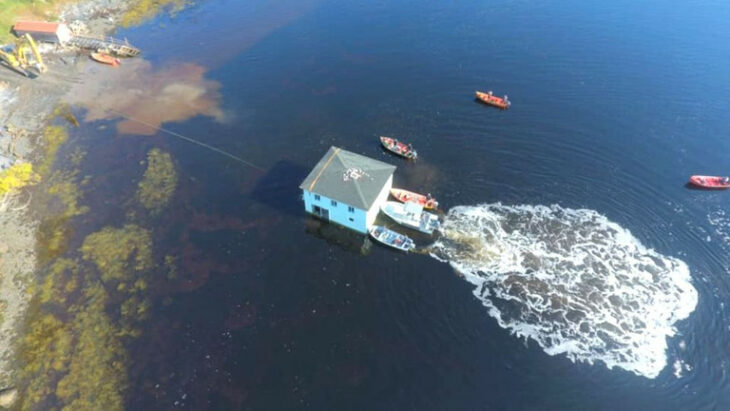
(43,31)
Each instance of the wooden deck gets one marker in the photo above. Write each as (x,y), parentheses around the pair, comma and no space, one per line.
(117,47)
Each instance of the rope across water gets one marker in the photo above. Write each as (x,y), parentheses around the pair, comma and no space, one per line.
(188,139)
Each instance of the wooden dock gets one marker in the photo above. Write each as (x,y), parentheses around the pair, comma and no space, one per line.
(110,44)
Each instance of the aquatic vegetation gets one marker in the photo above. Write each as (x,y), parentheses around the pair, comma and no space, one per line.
(54,231)
(116,252)
(17,176)
(97,374)
(171,267)
(87,302)
(45,352)
(60,281)
(53,137)
(159,181)
(141,10)
(77,156)
(65,190)
(64,110)
(52,237)
(74,352)
(121,256)
(84,355)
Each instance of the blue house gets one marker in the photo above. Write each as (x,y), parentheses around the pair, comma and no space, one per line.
(347,188)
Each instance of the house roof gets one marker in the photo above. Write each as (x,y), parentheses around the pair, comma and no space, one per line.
(36,26)
(348,178)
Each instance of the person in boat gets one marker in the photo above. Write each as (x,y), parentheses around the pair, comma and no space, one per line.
(725,180)
(410,147)
(489,93)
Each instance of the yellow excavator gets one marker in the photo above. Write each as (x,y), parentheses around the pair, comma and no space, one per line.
(7,57)
(17,57)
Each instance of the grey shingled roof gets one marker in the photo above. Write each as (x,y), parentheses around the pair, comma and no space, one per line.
(329,178)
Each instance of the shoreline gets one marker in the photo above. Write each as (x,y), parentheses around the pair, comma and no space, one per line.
(27,107)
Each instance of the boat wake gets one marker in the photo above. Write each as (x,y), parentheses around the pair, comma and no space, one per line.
(572,280)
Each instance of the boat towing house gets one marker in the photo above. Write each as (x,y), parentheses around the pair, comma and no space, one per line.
(347,188)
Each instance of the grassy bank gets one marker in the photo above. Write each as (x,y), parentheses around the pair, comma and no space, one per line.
(134,11)
(12,10)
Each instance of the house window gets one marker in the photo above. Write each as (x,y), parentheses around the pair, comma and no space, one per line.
(334,203)
(352,219)
(316,197)
(351,209)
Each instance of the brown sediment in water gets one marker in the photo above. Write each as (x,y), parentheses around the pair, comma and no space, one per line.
(146,98)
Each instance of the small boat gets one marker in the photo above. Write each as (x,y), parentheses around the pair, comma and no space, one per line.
(399,148)
(492,100)
(391,238)
(411,215)
(428,202)
(106,59)
(712,182)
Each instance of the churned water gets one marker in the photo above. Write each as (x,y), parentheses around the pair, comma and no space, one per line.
(572,280)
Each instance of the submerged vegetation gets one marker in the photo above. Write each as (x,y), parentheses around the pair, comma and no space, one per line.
(92,297)
(55,231)
(159,181)
(96,362)
(116,252)
(53,137)
(74,353)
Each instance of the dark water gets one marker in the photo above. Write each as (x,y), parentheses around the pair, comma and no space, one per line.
(615,104)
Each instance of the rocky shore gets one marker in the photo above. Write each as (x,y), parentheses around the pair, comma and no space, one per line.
(26,108)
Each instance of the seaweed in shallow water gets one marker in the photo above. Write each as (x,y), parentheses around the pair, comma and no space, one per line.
(141,10)
(159,181)
(74,351)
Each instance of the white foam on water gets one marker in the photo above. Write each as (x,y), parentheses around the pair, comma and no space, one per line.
(680,367)
(721,223)
(677,368)
(573,281)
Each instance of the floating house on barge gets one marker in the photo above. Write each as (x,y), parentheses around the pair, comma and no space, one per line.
(347,189)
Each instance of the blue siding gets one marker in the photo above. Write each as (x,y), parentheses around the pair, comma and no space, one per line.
(339,213)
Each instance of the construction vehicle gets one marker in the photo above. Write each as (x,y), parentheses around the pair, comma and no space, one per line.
(23,55)
(30,44)
(7,57)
